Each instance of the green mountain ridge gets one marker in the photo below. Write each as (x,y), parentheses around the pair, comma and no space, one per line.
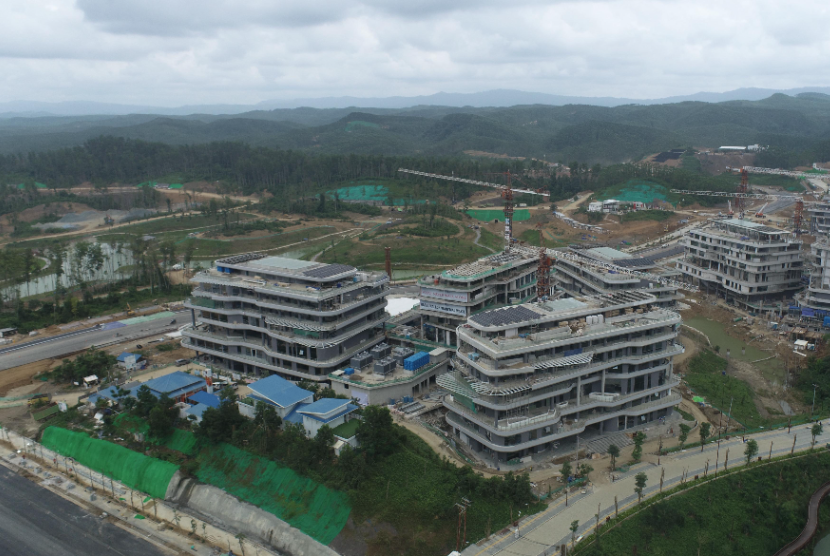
(590,133)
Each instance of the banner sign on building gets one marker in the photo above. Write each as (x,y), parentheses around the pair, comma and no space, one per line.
(443,308)
(443,294)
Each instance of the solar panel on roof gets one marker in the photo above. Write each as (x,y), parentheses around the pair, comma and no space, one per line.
(507,315)
(328,270)
(629,263)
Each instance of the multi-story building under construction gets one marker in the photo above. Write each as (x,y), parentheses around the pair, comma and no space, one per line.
(449,298)
(302,320)
(532,376)
(745,262)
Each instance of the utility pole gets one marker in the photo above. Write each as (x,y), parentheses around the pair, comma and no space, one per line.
(770,452)
(717,458)
(792,450)
(729,415)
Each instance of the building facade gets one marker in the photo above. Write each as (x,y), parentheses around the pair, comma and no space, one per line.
(449,298)
(817,294)
(744,262)
(576,277)
(531,376)
(301,320)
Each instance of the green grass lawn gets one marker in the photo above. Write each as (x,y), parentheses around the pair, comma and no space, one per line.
(209,248)
(642,215)
(491,240)
(406,250)
(753,512)
(705,377)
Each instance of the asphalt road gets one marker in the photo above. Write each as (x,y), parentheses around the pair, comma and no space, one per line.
(37,522)
(69,343)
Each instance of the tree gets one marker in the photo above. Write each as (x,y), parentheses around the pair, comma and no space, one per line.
(146,401)
(161,422)
(574,527)
(639,438)
(815,431)
(751,450)
(376,433)
(614,452)
(265,415)
(704,433)
(684,434)
(323,441)
(584,470)
(566,471)
(640,480)
(219,423)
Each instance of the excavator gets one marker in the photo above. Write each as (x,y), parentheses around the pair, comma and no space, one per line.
(130,311)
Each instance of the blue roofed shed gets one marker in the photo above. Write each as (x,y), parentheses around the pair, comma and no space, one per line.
(327,411)
(176,385)
(210,400)
(282,394)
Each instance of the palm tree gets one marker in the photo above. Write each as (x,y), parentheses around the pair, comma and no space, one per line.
(614,452)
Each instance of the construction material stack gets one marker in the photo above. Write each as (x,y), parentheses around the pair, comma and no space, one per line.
(415,362)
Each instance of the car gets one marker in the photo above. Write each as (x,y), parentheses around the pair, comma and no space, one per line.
(138,346)
(182,362)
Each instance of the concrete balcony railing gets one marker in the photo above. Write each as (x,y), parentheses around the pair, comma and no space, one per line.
(603,397)
(537,418)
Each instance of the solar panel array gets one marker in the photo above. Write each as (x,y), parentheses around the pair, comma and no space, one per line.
(236,259)
(635,263)
(328,270)
(507,315)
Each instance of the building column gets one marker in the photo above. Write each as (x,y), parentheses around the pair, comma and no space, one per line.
(578,390)
(447,337)
(603,381)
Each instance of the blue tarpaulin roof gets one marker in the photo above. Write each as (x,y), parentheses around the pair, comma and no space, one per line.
(807,312)
(124,355)
(280,391)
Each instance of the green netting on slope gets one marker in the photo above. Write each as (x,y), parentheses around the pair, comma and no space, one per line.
(636,190)
(490,215)
(314,509)
(182,441)
(136,470)
(132,423)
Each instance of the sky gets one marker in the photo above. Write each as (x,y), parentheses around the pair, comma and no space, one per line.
(182,52)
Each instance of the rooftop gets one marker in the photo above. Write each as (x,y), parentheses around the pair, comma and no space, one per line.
(346,430)
(210,400)
(285,266)
(280,391)
(608,253)
(174,382)
(558,309)
(324,405)
(485,266)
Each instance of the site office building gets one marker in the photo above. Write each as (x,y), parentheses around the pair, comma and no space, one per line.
(447,299)
(302,320)
(744,262)
(531,375)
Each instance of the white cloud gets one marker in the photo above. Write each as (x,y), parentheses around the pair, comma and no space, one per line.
(188,51)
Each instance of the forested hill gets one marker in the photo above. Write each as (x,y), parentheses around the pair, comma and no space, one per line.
(794,126)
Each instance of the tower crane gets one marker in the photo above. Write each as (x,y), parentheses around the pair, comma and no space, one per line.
(798,215)
(506,193)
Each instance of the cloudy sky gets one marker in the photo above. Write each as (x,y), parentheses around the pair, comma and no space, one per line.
(174,52)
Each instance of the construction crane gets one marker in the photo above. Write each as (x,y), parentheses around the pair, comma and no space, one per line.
(507,192)
(798,215)
(543,271)
(760,212)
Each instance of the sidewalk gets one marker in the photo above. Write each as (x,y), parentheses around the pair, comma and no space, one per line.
(159,523)
(542,534)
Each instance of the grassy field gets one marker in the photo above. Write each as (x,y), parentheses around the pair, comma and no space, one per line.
(643,215)
(406,250)
(209,248)
(491,240)
(705,377)
(752,512)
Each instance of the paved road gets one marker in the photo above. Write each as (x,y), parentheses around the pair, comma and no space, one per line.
(540,533)
(69,343)
(37,522)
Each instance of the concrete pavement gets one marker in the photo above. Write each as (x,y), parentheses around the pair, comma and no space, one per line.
(72,481)
(538,535)
(59,346)
(36,521)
